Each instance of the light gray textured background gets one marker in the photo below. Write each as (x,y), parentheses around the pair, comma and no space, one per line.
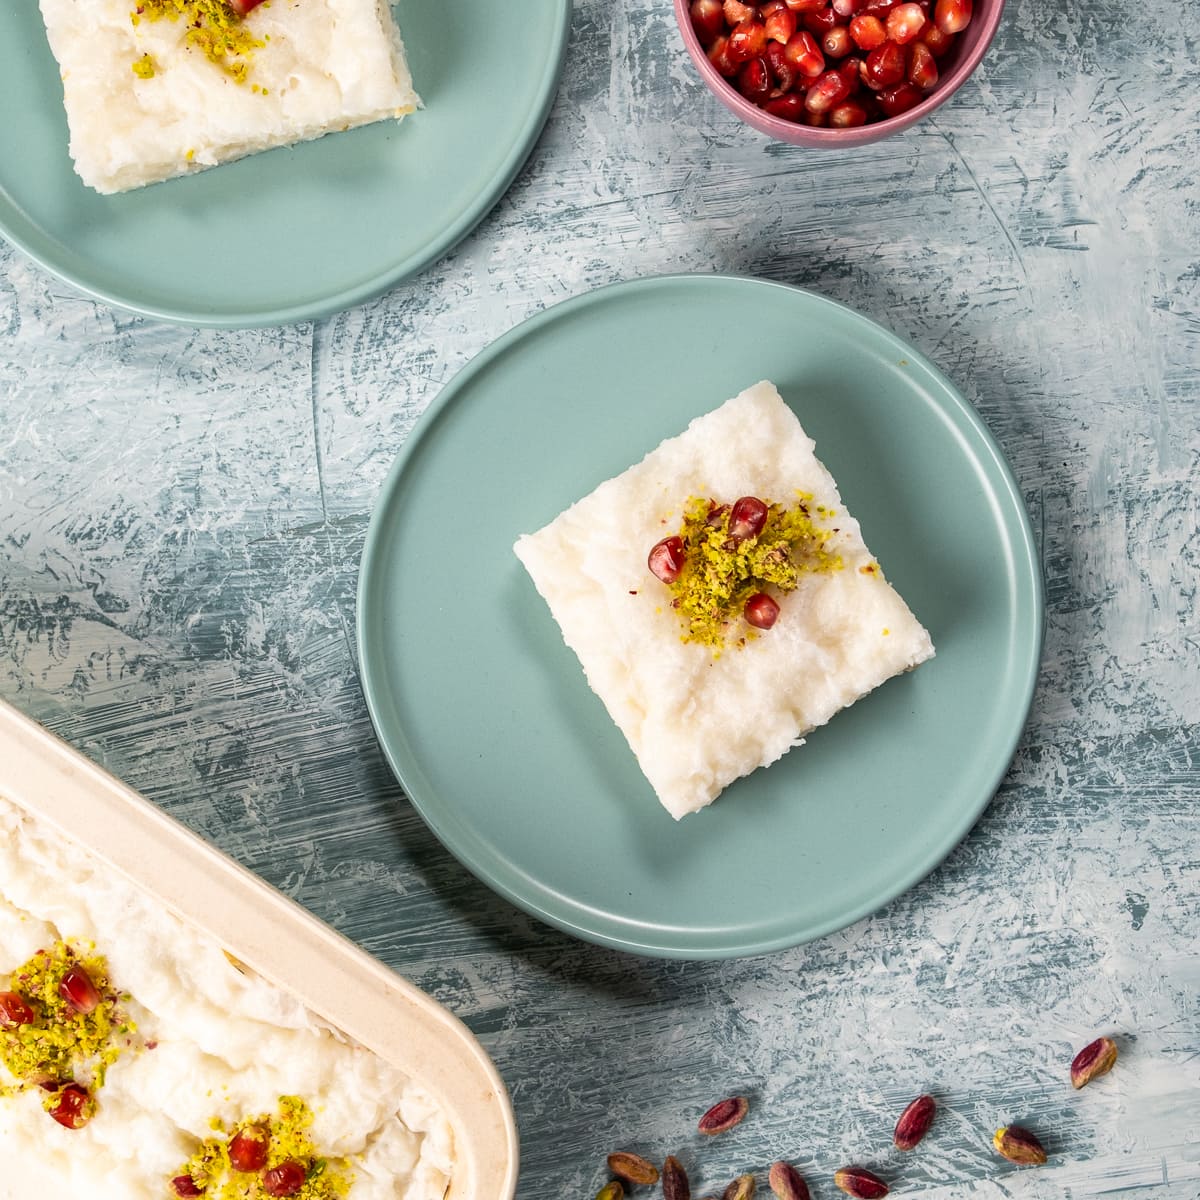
(182,512)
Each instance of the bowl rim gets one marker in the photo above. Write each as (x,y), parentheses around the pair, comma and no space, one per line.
(811,135)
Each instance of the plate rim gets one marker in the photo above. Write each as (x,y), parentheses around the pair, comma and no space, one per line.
(12,218)
(669,944)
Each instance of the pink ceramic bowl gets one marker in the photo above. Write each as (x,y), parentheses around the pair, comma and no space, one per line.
(962,58)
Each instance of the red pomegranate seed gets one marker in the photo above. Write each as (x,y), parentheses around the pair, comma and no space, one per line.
(242,7)
(736,12)
(78,990)
(73,1107)
(884,66)
(836,42)
(847,115)
(771,6)
(248,1148)
(790,107)
(880,8)
(761,611)
(754,80)
(186,1187)
(922,70)
(846,8)
(937,41)
(828,91)
(816,120)
(782,71)
(904,23)
(899,99)
(747,518)
(708,20)
(15,1010)
(805,55)
(952,16)
(718,55)
(284,1180)
(803,6)
(867,31)
(747,41)
(780,25)
(666,559)
(821,20)
(851,71)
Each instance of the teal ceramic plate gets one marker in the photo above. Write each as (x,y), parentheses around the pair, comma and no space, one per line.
(484,713)
(295,233)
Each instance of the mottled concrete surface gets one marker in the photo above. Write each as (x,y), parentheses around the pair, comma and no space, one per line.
(181,516)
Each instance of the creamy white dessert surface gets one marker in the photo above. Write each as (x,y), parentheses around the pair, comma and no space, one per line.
(226,1044)
(698,722)
(325,65)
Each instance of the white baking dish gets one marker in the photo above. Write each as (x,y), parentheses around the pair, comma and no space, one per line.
(275,937)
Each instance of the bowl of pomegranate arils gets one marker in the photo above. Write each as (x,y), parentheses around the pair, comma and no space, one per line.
(836,72)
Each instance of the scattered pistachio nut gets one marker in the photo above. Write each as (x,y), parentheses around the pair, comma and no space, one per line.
(742,1188)
(632,1168)
(612,1190)
(724,1115)
(675,1185)
(1095,1059)
(860,1183)
(1018,1145)
(914,1122)
(786,1182)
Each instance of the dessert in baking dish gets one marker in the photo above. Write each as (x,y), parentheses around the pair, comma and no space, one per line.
(137,1059)
(721,600)
(158,88)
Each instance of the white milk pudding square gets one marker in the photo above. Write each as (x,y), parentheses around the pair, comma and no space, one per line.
(138,1061)
(159,88)
(721,600)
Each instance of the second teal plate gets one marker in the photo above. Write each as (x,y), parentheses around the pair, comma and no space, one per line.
(295,233)
(486,718)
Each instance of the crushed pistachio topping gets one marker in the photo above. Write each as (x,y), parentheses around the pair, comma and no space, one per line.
(721,573)
(60,1044)
(143,67)
(209,1168)
(213,28)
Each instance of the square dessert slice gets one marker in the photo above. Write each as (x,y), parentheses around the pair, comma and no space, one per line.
(158,88)
(703,695)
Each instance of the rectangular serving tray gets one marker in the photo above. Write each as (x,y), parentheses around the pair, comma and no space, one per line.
(276,937)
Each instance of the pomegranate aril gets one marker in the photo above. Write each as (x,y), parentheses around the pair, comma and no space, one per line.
(78,990)
(747,41)
(821,20)
(284,1180)
(782,71)
(666,559)
(15,1010)
(867,31)
(847,116)
(816,120)
(805,55)
(780,25)
(922,69)
(754,80)
(805,6)
(790,107)
(761,611)
(899,99)
(736,12)
(884,66)
(828,91)
(937,41)
(186,1187)
(708,20)
(72,1107)
(846,8)
(242,7)
(747,518)
(718,55)
(952,16)
(880,8)
(904,23)
(248,1148)
(851,71)
(836,42)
